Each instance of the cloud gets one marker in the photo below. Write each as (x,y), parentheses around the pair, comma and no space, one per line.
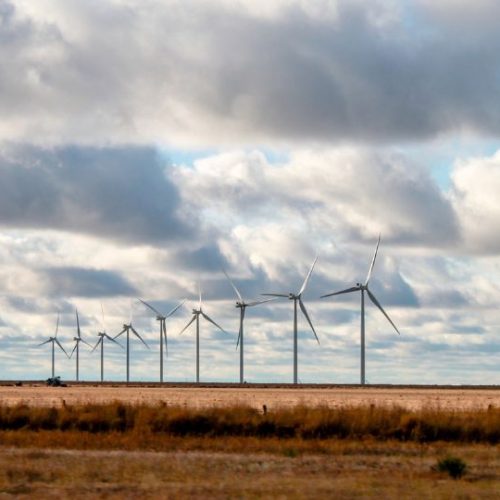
(122,194)
(347,192)
(205,258)
(80,282)
(240,72)
(475,187)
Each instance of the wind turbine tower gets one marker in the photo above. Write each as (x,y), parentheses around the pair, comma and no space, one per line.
(54,340)
(297,298)
(126,330)
(359,287)
(197,312)
(102,336)
(163,330)
(76,349)
(242,305)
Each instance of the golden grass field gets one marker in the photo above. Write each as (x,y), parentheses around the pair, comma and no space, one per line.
(119,441)
(255,396)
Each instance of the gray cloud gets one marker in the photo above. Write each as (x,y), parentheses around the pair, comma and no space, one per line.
(80,282)
(205,258)
(212,71)
(117,193)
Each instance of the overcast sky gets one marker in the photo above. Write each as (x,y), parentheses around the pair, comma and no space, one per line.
(146,145)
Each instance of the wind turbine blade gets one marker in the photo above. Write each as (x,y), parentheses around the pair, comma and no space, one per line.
(103,322)
(304,311)
(73,351)
(61,347)
(97,344)
(175,309)
(241,326)
(164,330)
(113,340)
(376,302)
(85,342)
(347,290)
(131,312)
(238,294)
(369,275)
(43,343)
(134,331)
(57,325)
(199,292)
(213,322)
(116,336)
(275,295)
(306,281)
(257,302)
(158,313)
(188,325)
(78,324)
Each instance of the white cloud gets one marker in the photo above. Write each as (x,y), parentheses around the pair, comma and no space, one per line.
(476,184)
(342,192)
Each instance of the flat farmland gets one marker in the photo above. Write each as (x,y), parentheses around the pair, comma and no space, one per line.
(273,396)
(149,440)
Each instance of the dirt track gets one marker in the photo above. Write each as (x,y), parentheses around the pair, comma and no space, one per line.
(411,398)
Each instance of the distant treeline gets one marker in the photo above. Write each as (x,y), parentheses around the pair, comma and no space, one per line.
(300,422)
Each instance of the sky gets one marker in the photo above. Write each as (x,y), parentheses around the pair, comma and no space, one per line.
(146,146)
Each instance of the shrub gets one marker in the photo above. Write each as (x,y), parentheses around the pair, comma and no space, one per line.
(454,466)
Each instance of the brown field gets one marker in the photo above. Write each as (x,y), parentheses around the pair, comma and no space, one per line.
(147,441)
(256,396)
(351,470)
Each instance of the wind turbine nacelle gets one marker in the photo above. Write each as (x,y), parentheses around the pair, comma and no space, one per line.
(291,296)
(126,327)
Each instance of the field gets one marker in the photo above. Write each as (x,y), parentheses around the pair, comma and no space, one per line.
(207,395)
(121,441)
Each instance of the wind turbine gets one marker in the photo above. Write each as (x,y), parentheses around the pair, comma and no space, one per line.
(54,341)
(242,305)
(196,317)
(364,288)
(297,297)
(103,335)
(77,340)
(126,330)
(163,330)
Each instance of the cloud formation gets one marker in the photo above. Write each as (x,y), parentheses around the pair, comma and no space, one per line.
(117,193)
(337,113)
(347,192)
(81,282)
(242,72)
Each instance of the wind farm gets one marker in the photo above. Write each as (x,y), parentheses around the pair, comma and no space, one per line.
(128,331)
(288,210)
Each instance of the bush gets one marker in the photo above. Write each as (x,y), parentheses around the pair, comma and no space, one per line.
(454,466)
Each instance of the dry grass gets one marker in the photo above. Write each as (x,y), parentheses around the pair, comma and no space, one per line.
(139,423)
(118,450)
(351,470)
